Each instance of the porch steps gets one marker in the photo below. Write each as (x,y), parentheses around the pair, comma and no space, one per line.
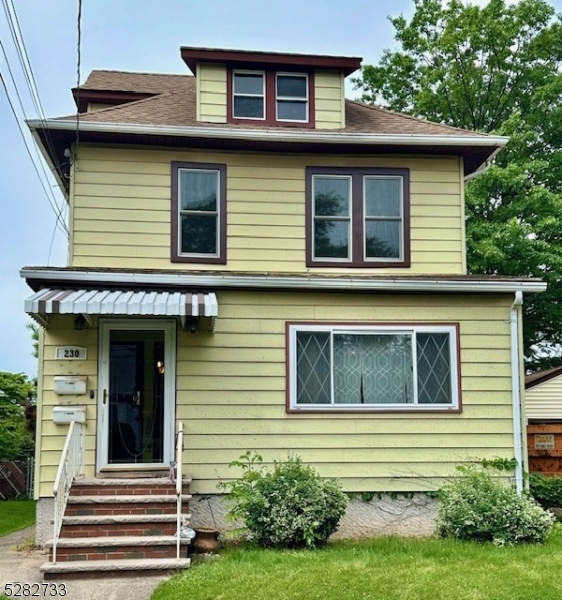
(119,527)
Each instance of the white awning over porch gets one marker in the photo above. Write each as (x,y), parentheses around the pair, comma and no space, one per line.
(120,302)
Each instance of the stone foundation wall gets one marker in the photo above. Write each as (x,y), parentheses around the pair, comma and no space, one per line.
(385,516)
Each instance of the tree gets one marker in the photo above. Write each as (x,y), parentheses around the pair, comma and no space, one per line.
(34,330)
(16,437)
(494,69)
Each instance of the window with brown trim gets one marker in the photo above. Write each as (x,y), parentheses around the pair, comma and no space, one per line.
(373,367)
(270,97)
(357,217)
(198,212)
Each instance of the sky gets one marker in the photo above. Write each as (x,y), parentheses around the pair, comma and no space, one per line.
(135,35)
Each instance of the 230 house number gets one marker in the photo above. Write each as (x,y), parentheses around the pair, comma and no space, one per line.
(71,353)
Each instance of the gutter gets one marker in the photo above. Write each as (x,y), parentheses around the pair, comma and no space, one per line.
(317,137)
(220,281)
(485,167)
(516,390)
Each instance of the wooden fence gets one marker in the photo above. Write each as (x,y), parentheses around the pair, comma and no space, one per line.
(16,479)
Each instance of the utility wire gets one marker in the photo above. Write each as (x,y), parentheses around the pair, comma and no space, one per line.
(3,82)
(59,209)
(79,59)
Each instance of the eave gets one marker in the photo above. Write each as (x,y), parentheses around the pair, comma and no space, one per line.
(38,277)
(475,149)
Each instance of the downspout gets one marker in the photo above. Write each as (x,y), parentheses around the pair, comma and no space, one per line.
(516,390)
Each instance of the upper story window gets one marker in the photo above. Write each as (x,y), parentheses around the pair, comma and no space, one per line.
(291,97)
(198,212)
(272,97)
(358,217)
(248,95)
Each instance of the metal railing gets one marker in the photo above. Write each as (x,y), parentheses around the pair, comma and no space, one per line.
(71,465)
(179,486)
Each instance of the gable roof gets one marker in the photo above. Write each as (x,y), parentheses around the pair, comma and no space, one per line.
(542,376)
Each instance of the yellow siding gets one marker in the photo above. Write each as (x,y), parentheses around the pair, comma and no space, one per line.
(121,210)
(51,437)
(329,100)
(211,93)
(544,401)
(93,107)
(231,393)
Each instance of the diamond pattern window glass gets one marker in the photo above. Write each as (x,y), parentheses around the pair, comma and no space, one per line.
(373,367)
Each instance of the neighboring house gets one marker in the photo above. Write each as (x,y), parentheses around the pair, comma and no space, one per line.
(279,269)
(543,403)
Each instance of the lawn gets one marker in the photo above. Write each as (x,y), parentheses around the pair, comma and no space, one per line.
(389,568)
(16,515)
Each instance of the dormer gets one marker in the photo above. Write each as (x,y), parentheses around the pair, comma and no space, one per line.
(270,89)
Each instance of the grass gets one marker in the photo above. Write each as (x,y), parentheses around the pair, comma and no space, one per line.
(16,515)
(388,568)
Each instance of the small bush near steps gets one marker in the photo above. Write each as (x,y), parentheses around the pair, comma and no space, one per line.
(290,507)
(546,490)
(477,507)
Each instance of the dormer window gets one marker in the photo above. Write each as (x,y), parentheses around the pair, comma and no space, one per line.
(291,94)
(248,95)
(274,98)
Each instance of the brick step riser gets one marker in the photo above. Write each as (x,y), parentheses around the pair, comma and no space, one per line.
(117,553)
(101,510)
(117,529)
(96,490)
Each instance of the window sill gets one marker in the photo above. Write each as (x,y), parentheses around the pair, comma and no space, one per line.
(215,260)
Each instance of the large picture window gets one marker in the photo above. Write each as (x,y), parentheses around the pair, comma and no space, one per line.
(358,217)
(373,367)
(198,212)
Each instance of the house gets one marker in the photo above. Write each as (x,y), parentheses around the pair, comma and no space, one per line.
(543,404)
(278,269)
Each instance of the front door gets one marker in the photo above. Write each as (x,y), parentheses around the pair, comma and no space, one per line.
(136,394)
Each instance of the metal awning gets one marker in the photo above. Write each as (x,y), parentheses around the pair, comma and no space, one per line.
(120,302)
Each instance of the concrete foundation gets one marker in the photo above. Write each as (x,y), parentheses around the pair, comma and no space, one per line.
(413,516)
(44,512)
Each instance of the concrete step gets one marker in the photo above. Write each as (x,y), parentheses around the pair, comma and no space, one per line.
(81,569)
(127,499)
(119,486)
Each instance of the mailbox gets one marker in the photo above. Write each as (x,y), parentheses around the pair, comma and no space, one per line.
(66,414)
(74,385)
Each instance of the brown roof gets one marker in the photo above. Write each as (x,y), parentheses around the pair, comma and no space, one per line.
(542,376)
(172,101)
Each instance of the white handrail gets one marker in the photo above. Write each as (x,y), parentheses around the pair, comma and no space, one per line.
(179,485)
(71,465)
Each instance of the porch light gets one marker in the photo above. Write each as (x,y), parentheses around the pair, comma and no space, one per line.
(192,324)
(79,322)
(160,367)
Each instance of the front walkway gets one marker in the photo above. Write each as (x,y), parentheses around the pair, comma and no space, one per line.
(23,567)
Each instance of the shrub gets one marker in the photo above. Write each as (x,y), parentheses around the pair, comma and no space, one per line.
(291,506)
(547,491)
(480,508)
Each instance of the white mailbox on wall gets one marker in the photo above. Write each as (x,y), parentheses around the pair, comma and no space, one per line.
(66,414)
(65,385)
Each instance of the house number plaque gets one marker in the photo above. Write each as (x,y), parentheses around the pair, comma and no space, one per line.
(71,353)
(544,441)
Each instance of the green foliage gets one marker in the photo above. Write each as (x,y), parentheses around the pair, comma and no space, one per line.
(290,506)
(547,491)
(16,515)
(500,464)
(16,438)
(34,330)
(476,507)
(494,69)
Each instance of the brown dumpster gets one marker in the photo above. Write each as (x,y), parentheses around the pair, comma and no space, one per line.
(544,443)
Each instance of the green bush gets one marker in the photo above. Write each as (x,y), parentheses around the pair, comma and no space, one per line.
(291,506)
(478,507)
(547,491)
